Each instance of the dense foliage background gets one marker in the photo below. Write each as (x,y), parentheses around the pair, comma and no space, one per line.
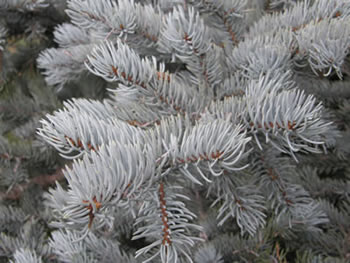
(177,97)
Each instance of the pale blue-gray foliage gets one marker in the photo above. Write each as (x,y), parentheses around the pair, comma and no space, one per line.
(116,181)
(76,130)
(64,64)
(24,5)
(138,25)
(169,243)
(3,33)
(150,83)
(219,124)
(67,250)
(64,245)
(67,35)
(208,254)
(328,45)
(26,256)
(244,204)
(29,235)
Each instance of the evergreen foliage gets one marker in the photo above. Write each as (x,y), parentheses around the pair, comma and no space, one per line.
(224,136)
(27,163)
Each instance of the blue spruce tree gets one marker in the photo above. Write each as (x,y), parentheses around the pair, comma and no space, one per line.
(223,137)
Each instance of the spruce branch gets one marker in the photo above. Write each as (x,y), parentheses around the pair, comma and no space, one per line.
(228,15)
(76,130)
(245,205)
(115,182)
(220,153)
(208,254)
(24,5)
(167,231)
(300,14)
(109,21)
(26,256)
(159,88)
(325,44)
(235,121)
(68,35)
(187,36)
(55,61)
